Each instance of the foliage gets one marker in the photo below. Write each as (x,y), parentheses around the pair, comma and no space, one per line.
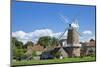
(18,53)
(48,41)
(16,43)
(55,41)
(34,53)
(92,40)
(28,43)
(57,54)
(17,49)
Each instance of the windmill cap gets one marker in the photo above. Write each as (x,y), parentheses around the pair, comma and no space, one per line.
(74,25)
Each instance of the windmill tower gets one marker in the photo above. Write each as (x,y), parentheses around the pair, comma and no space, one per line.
(72,38)
(73,34)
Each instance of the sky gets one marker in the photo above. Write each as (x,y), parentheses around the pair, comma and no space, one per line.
(31,20)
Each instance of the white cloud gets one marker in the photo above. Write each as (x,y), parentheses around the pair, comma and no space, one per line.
(19,34)
(93,37)
(86,39)
(86,36)
(87,32)
(57,34)
(35,35)
(43,32)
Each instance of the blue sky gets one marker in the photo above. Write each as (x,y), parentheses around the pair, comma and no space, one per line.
(30,16)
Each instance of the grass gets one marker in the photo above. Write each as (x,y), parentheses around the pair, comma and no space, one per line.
(52,61)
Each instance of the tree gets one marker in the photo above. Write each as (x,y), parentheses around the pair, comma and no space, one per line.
(44,41)
(57,54)
(92,40)
(29,43)
(16,43)
(55,41)
(18,54)
(19,44)
(48,41)
(13,41)
(17,49)
(34,53)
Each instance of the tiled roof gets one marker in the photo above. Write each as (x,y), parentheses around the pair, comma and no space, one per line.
(38,48)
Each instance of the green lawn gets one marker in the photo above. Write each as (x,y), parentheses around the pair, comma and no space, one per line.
(65,60)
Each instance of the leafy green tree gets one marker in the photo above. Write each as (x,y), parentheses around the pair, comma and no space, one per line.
(56,55)
(48,41)
(34,53)
(19,53)
(17,49)
(92,40)
(19,44)
(13,41)
(55,41)
(16,43)
(28,43)
(44,41)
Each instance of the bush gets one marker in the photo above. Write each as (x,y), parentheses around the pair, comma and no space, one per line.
(57,54)
(18,54)
(34,53)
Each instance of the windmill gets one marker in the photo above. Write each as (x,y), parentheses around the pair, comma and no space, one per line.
(72,37)
(73,33)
